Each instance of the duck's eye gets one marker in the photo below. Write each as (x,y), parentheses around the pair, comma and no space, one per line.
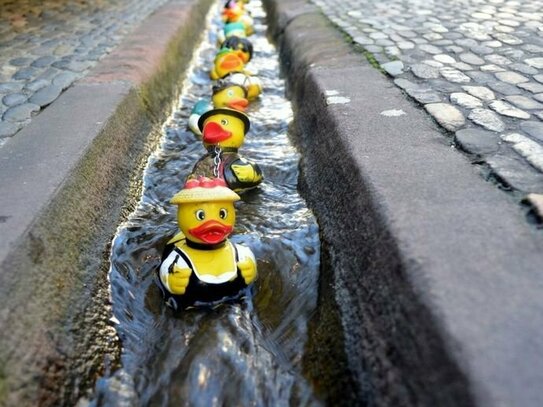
(230,92)
(200,214)
(224,122)
(223,213)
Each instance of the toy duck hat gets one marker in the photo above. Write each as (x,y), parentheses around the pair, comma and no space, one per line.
(226,111)
(205,189)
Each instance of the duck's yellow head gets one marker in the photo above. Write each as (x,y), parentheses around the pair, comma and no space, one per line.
(231,95)
(223,127)
(206,212)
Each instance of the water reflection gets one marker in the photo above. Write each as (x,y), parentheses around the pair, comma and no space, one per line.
(246,353)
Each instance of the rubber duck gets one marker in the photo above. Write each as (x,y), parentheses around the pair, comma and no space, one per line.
(199,108)
(223,133)
(200,265)
(242,46)
(229,94)
(233,12)
(226,61)
(231,30)
(251,83)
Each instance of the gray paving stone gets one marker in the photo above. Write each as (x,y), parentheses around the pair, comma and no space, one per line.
(25,73)
(505,109)
(480,77)
(535,62)
(539,97)
(476,141)
(487,119)
(481,50)
(531,86)
(425,71)
(462,66)
(405,84)
(22,61)
(444,59)
(492,68)
(444,86)
(36,85)
(10,87)
(539,78)
(511,77)
(454,75)
(516,174)
(466,100)
(14,99)
(430,49)
(446,115)
(472,59)
(498,59)
(393,68)
(8,129)
(21,113)
(424,95)
(46,95)
(44,61)
(523,68)
(527,148)
(504,88)
(524,102)
(533,128)
(508,38)
(65,79)
(480,92)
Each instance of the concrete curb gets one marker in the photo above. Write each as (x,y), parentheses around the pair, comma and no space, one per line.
(64,181)
(436,274)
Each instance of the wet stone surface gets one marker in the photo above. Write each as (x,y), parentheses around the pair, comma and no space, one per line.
(475,66)
(46,46)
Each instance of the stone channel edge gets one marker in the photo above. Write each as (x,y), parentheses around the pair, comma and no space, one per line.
(66,181)
(435,272)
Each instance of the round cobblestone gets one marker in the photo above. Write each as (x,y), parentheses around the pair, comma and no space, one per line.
(487,119)
(477,141)
(14,99)
(21,113)
(505,109)
(446,115)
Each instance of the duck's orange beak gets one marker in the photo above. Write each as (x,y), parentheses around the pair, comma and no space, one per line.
(238,104)
(211,232)
(213,133)
(231,62)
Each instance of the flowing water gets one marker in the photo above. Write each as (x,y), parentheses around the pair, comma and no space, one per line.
(239,354)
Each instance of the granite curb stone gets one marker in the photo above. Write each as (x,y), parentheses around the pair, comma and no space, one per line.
(437,262)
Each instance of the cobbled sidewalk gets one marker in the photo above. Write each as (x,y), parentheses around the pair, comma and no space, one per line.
(46,46)
(476,66)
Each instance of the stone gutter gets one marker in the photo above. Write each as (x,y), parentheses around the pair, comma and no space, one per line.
(431,279)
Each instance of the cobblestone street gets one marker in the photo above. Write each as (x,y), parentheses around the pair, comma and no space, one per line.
(46,46)
(476,66)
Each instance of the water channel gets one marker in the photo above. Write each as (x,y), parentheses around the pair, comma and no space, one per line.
(239,354)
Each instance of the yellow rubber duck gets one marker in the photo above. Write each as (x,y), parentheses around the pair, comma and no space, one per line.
(223,133)
(251,84)
(225,62)
(229,94)
(242,46)
(234,12)
(200,265)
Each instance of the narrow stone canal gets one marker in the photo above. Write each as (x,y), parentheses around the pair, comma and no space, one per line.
(244,353)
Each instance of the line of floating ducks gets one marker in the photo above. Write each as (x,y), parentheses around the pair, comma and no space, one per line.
(200,266)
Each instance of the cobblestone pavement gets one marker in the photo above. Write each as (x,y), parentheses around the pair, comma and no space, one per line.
(47,45)
(475,65)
